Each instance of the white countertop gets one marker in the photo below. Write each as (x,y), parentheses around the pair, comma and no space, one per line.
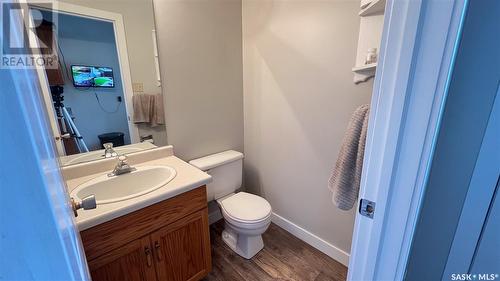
(187,178)
(99,154)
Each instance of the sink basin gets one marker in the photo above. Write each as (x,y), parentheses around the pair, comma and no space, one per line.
(110,189)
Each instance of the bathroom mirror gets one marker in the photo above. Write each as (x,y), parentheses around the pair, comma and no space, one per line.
(104,91)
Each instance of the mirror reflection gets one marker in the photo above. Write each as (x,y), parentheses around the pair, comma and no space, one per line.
(104,98)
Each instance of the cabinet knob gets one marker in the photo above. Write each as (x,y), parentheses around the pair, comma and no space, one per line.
(159,255)
(147,251)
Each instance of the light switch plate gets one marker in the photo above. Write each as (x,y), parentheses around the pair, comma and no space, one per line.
(138,87)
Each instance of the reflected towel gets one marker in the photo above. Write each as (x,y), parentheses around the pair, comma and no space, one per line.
(158,116)
(346,175)
(142,104)
(148,109)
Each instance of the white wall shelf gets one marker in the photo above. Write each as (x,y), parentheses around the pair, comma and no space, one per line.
(371,24)
(364,73)
(365,69)
(376,7)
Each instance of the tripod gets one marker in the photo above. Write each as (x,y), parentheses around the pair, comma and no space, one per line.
(63,114)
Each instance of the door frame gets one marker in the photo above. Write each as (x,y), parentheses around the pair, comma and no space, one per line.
(47,98)
(419,44)
(121,48)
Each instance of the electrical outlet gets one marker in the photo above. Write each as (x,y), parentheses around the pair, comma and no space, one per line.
(138,87)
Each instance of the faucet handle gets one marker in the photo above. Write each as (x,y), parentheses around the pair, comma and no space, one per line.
(107,145)
(122,159)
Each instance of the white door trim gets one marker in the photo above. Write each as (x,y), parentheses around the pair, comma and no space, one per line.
(47,98)
(121,49)
(417,52)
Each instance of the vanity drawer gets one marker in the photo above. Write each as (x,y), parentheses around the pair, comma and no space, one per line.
(113,234)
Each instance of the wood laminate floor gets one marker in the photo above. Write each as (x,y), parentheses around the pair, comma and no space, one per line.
(284,257)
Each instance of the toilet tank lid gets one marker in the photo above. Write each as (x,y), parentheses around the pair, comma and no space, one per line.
(215,160)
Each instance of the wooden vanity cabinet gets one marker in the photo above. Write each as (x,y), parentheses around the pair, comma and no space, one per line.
(180,250)
(166,241)
(132,261)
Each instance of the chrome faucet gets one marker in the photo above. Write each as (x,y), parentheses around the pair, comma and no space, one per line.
(121,167)
(109,151)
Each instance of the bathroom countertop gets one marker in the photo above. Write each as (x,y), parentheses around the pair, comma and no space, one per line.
(99,154)
(187,178)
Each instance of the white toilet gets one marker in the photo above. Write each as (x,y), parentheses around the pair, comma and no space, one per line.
(247,216)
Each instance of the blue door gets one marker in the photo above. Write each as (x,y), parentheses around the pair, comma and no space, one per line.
(39,239)
(486,259)
(475,248)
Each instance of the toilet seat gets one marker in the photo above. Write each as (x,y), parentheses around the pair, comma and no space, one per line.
(246,210)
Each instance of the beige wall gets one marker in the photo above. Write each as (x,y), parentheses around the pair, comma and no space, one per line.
(200,58)
(298,98)
(138,19)
(298,95)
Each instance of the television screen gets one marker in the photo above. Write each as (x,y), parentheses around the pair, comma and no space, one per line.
(92,76)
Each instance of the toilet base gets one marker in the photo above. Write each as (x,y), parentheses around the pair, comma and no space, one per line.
(246,246)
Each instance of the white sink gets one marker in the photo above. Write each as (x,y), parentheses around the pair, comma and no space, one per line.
(110,189)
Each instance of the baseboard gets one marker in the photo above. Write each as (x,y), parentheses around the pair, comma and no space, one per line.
(311,239)
(299,232)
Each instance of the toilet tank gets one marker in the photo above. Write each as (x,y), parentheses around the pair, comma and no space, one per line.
(226,169)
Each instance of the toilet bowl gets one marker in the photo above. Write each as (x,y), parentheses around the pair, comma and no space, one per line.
(247,216)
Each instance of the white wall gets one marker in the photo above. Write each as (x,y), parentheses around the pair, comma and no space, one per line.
(298,98)
(200,58)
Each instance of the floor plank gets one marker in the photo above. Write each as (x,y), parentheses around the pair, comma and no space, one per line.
(284,257)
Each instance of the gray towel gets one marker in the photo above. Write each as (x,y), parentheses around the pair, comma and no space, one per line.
(346,176)
(158,117)
(143,107)
(148,109)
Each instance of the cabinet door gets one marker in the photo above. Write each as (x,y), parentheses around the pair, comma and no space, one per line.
(182,249)
(131,262)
